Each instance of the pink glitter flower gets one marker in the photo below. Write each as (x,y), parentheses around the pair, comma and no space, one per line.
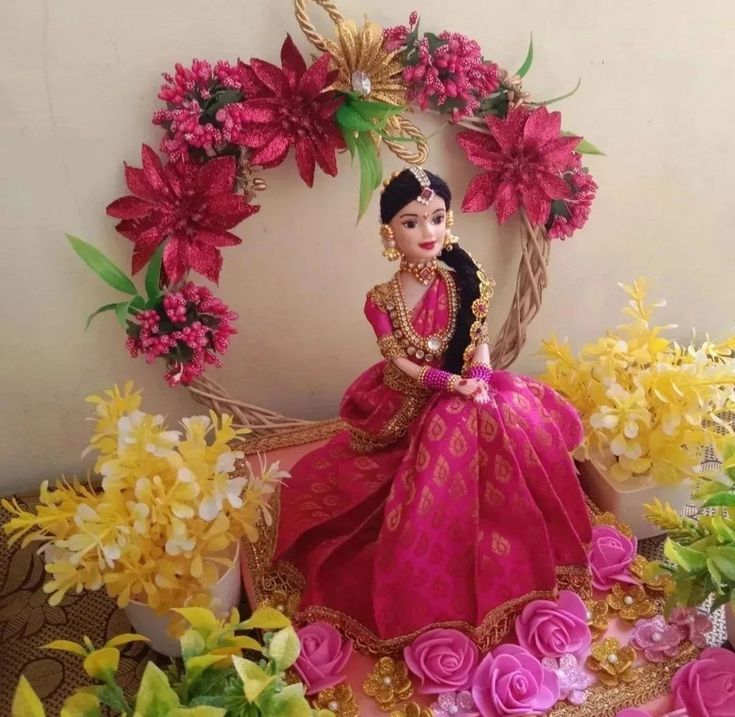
(455,704)
(449,73)
(568,215)
(188,329)
(573,680)
(656,639)
(524,157)
(195,98)
(693,624)
(396,37)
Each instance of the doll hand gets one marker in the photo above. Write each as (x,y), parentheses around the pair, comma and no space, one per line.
(473,388)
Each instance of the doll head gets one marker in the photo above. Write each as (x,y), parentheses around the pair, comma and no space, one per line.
(414,205)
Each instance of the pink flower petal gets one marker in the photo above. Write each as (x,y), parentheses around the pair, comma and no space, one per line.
(292,61)
(481,193)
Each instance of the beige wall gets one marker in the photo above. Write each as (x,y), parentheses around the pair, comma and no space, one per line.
(78,87)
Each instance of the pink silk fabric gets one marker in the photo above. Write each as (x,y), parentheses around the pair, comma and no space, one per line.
(472,509)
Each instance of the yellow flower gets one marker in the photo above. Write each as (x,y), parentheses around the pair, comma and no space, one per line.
(630,602)
(340,700)
(649,406)
(388,683)
(25,701)
(611,662)
(652,576)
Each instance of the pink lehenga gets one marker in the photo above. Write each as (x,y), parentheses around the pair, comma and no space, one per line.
(431,510)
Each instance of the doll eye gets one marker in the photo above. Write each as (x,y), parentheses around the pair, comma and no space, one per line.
(410,224)
(438,219)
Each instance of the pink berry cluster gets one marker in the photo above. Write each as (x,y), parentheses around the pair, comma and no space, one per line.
(188,328)
(568,215)
(199,101)
(445,71)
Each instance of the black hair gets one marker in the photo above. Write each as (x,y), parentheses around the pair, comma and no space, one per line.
(402,190)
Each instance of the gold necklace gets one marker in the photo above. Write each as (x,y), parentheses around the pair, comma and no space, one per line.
(423,348)
(423,271)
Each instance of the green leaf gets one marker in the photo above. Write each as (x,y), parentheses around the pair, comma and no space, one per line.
(435,42)
(192,644)
(350,119)
(689,559)
(121,311)
(155,696)
(25,701)
(254,679)
(350,141)
(370,171)
(265,618)
(102,266)
(201,711)
(553,100)
(195,666)
(583,146)
(289,702)
(153,274)
(101,310)
(376,110)
(724,558)
(721,499)
(526,66)
(284,648)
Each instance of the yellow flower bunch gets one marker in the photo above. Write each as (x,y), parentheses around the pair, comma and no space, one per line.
(649,405)
(162,527)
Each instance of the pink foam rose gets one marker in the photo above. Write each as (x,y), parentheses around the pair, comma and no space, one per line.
(553,629)
(323,657)
(511,681)
(611,555)
(443,660)
(706,687)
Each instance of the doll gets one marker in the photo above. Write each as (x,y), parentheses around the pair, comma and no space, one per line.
(451,498)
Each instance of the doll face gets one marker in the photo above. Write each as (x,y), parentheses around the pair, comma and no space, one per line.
(419,229)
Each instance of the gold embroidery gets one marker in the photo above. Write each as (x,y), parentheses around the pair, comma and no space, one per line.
(437,428)
(458,443)
(499,545)
(480,306)
(380,295)
(488,426)
(426,502)
(389,347)
(503,471)
(440,476)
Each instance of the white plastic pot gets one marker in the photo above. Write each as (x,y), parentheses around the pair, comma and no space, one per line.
(626,499)
(147,622)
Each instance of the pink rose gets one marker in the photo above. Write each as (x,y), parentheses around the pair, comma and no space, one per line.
(610,557)
(549,629)
(706,687)
(511,681)
(443,660)
(323,657)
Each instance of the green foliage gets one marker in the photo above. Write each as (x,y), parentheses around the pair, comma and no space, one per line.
(215,678)
(701,551)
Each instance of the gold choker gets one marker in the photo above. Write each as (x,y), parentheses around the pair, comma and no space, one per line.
(423,271)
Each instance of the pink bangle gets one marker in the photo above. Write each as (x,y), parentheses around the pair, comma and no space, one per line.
(481,371)
(435,379)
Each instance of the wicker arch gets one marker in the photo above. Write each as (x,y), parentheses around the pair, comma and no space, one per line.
(531,276)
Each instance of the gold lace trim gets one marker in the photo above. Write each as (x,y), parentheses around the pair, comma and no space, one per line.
(318,431)
(381,295)
(480,308)
(493,629)
(389,347)
(415,397)
(652,680)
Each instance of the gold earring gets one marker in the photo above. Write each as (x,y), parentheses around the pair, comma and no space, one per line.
(449,239)
(389,244)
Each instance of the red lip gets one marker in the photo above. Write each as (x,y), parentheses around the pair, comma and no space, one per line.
(428,245)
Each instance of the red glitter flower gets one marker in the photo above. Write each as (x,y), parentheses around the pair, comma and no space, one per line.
(187,328)
(188,205)
(525,156)
(289,107)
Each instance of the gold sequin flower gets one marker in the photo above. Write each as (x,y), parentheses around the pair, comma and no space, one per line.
(412,709)
(364,65)
(597,616)
(388,683)
(611,662)
(339,699)
(631,603)
(651,576)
